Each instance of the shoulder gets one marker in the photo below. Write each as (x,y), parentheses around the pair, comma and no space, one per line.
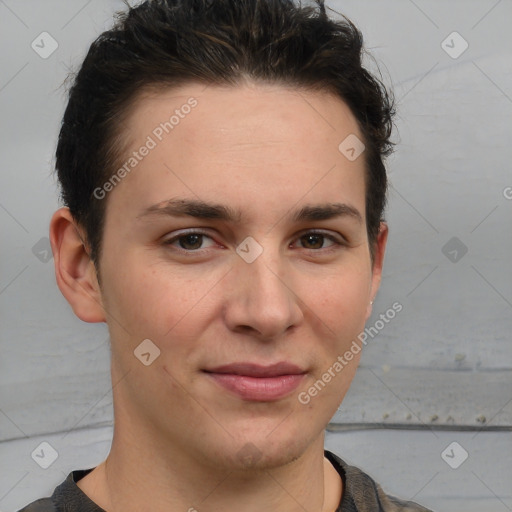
(363,494)
(42,505)
(66,497)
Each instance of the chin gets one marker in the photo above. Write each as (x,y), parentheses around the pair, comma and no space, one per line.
(258,452)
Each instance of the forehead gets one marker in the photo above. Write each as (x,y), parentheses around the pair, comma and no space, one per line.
(252,110)
(252,144)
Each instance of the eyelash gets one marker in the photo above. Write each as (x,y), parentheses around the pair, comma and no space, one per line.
(337,243)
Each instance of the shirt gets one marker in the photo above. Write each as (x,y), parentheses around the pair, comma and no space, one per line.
(360,494)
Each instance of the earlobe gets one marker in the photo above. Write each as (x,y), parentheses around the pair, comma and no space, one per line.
(74,269)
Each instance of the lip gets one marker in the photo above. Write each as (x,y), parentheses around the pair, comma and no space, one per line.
(258,383)
(258,370)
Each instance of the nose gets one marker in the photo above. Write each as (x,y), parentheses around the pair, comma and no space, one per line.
(261,300)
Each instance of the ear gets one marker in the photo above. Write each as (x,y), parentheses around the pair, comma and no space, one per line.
(74,269)
(380,249)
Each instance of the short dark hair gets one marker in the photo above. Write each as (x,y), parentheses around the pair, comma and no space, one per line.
(167,43)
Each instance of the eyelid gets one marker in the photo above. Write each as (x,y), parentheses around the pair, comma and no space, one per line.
(325,232)
(184,232)
(337,239)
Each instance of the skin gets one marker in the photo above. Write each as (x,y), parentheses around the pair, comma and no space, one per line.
(179,437)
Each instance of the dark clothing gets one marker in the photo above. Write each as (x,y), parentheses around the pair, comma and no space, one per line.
(360,494)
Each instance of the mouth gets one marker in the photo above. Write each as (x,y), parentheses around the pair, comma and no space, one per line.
(253,382)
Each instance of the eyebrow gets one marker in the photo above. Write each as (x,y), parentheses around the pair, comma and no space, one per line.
(327,211)
(202,210)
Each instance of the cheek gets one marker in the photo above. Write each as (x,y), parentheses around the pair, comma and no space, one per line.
(156,300)
(324,392)
(341,300)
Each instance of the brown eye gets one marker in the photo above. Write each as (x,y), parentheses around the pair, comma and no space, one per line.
(191,242)
(312,241)
(319,242)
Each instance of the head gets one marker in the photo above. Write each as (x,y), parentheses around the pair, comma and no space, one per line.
(241,107)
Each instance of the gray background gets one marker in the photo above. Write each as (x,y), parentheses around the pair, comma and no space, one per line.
(439,372)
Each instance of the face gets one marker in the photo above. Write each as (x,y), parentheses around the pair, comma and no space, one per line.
(237,245)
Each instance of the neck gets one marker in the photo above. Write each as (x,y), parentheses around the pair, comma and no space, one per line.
(173,480)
